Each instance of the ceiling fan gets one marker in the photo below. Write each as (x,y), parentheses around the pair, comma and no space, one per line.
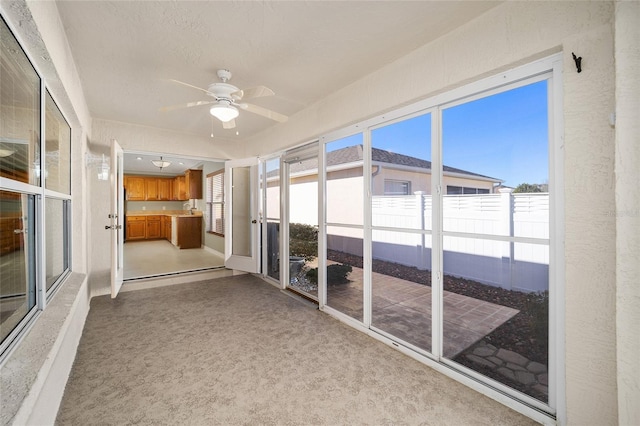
(227,99)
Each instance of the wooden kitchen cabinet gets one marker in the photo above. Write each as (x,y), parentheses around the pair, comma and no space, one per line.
(189,232)
(154,229)
(179,189)
(193,183)
(167,227)
(164,189)
(135,186)
(151,189)
(136,228)
(148,188)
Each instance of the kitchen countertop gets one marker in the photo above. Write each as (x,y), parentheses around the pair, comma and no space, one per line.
(172,213)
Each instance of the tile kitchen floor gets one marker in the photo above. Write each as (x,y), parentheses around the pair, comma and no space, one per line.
(152,258)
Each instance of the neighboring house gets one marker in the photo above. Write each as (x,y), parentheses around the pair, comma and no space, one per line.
(394,174)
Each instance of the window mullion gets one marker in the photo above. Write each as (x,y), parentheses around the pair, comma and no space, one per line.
(437,276)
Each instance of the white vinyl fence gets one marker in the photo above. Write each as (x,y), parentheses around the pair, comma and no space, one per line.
(487,247)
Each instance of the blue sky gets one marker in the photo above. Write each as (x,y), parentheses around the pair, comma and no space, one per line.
(503,136)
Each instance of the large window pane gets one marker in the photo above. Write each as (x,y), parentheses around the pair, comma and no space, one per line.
(58,149)
(17,283)
(241,212)
(344,270)
(496,311)
(302,176)
(496,283)
(401,286)
(401,176)
(344,166)
(500,141)
(56,227)
(20,112)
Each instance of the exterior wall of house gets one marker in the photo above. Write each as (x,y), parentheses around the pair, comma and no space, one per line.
(512,34)
(419,181)
(627,210)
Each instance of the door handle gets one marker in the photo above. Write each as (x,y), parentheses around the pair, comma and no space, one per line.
(254,221)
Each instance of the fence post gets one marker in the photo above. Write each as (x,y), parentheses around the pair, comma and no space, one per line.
(506,204)
(420,209)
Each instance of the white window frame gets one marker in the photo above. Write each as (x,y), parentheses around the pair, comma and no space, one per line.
(210,202)
(43,296)
(550,69)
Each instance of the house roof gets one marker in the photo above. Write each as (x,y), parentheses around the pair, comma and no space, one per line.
(354,154)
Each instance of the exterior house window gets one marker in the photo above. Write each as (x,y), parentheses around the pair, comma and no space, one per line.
(397,187)
(35,192)
(458,190)
(214,215)
(20,165)
(57,180)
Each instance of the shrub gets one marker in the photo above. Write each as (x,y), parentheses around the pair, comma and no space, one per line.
(537,306)
(303,241)
(336,274)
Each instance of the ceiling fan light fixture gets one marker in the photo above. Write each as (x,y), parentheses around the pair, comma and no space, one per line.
(224,113)
(161,164)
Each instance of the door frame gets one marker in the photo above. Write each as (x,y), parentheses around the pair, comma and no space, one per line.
(116,217)
(250,263)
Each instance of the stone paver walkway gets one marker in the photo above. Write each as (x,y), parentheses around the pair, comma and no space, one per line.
(403,309)
(511,365)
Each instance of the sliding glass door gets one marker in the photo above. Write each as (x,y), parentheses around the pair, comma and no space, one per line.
(401,212)
(301,174)
(344,195)
(496,236)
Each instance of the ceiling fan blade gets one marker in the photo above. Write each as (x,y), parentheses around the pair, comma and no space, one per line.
(253,92)
(187,105)
(189,85)
(229,124)
(264,112)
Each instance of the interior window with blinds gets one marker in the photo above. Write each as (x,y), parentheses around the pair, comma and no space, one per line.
(214,215)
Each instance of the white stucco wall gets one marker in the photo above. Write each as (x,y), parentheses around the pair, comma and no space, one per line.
(512,34)
(627,210)
(34,375)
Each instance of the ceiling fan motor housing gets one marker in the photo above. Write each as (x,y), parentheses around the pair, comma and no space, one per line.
(223,91)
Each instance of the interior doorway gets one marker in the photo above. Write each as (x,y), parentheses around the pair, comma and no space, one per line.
(166,224)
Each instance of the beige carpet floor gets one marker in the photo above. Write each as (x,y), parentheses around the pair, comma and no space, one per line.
(237,351)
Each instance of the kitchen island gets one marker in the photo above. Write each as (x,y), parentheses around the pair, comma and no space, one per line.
(180,227)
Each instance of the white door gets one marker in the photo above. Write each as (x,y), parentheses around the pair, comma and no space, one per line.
(117,218)
(241,214)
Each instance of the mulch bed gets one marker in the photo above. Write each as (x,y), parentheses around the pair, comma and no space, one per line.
(517,334)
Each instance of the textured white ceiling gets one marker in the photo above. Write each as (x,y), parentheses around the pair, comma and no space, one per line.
(140,163)
(126,52)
